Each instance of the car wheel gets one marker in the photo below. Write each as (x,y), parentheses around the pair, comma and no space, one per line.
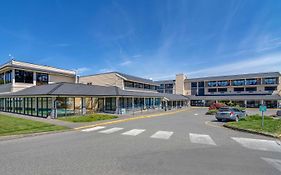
(236,118)
(219,120)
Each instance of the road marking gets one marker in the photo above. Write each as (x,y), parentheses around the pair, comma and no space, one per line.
(112,130)
(162,135)
(134,132)
(258,144)
(196,114)
(201,138)
(273,162)
(93,129)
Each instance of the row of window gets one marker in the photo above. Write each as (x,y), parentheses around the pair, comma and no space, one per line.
(131,84)
(239,82)
(22,76)
(241,89)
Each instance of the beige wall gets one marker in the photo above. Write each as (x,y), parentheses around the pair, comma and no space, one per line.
(180,84)
(110,79)
(60,78)
(5,88)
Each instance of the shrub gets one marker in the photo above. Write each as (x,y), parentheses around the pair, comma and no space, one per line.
(212,112)
(216,106)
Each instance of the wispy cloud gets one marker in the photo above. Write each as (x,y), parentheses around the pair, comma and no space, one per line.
(126,63)
(264,63)
(83,70)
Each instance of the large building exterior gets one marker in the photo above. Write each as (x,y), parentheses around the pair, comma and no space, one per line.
(249,90)
(44,91)
(16,75)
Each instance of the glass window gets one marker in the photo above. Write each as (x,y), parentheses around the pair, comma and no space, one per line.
(212,90)
(270,88)
(201,84)
(238,89)
(147,86)
(22,76)
(8,77)
(251,89)
(129,84)
(42,78)
(212,83)
(223,83)
(193,84)
(222,89)
(270,80)
(238,82)
(251,81)
(2,78)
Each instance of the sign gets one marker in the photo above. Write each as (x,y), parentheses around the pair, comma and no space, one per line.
(262,108)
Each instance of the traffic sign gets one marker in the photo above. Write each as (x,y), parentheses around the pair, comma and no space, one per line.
(262,108)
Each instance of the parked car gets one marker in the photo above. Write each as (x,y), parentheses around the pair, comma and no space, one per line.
(230,113)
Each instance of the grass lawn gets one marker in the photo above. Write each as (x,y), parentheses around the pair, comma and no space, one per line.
(13,126)
(88,118)
(253,123)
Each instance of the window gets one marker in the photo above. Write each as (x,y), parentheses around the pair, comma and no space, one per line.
(2,78)
(238,82)
(212,83)
(251,81)
(223,83)
(42,78)
(270,81)
(201,84)
(89,83)
(8,77)
(147,86)
(168,86)
(194,84)
(22,76)
(222,89)
(270,88)
(129,84)
(238,89)
(251,89)
(212,90)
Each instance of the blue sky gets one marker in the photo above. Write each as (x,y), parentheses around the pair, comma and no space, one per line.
(150,38)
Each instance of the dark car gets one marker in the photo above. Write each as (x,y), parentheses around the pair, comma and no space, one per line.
(229,113)
(278,113)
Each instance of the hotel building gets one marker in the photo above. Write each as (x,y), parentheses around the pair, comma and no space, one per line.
(44,91)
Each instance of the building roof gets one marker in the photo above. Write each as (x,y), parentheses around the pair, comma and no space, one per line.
(236,97)
(37,67)
(128,78)
(240,76)
(165,81)
(73,89)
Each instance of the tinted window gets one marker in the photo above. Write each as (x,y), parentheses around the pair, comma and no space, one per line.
(224,109)
(42,78)
(8,77)
(2,78)
(22,76)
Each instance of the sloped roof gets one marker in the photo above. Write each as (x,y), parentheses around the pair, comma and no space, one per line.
(73,89)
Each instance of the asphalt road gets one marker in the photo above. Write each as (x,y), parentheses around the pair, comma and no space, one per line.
(182,143)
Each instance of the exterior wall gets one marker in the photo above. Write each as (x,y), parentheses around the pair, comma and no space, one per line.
(180,84)
(5,88)
(60,78)
(110,79)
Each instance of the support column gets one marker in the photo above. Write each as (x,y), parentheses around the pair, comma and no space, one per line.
(144,103)
(104,104)
(13,77)
(54,108)
(83,106)
(133,105)
(262,102)
(117,106)
(34,78)
(245,103)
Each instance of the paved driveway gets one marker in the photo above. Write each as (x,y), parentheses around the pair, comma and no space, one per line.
(183,143)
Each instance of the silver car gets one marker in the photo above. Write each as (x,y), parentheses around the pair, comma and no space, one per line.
(229,113)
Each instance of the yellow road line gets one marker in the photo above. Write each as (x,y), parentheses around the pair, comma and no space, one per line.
(130,119)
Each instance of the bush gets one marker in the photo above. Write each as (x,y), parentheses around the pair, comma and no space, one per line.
(216,106)
(212,112)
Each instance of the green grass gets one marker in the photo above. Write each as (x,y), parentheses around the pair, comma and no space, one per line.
(88,118)
(14,126)
(253,123)
(212,112)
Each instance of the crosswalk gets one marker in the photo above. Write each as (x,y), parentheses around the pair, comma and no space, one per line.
(194,138)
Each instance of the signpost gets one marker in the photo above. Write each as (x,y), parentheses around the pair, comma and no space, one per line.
(262,109)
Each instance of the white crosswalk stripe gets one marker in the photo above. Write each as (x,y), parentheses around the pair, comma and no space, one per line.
(162,135)
(112,130)
(258,144)
(134,132)
(273,162)
(201,138)
(93,129)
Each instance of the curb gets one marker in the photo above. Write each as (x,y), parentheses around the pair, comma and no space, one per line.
(11,137)
(253,132)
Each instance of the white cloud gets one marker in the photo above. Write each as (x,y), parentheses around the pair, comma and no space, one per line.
(125,63)
(136,56)
(257,64)
(82,70)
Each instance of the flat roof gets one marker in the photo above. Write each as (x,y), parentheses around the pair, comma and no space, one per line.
(37,67)
(236,97)
(238,76)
